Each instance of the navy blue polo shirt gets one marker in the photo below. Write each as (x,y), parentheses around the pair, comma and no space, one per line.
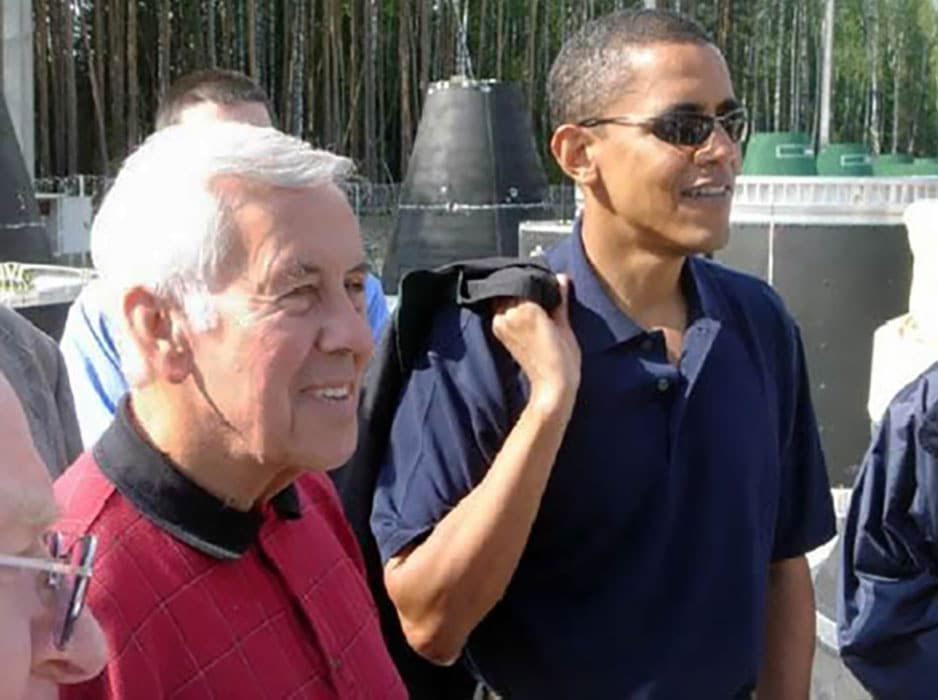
(645,573)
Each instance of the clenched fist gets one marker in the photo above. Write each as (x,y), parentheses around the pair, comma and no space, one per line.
(544,346)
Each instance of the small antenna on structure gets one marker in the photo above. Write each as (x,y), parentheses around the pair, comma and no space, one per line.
(463,59)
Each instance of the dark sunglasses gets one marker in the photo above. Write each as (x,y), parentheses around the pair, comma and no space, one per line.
(682,128)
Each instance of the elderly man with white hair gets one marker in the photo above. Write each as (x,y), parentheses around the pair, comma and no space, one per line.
(226,568)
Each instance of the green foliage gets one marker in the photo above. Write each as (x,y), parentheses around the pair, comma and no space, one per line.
(313,57)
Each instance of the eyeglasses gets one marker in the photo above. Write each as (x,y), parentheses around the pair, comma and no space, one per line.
(682,128)
(67,574)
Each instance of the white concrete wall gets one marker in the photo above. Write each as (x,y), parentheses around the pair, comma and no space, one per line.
(17,62)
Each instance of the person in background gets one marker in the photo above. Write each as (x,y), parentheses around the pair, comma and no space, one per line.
(226,568)
(47,636)
(614,499)
(93,358)
(887,590)
(36,370)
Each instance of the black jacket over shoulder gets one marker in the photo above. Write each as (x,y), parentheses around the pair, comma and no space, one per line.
(473,285)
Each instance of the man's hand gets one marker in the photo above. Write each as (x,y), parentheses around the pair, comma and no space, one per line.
(544,346)
(443,586)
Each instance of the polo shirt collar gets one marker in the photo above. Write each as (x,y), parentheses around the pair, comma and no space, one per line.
(596,320)
(600,324)
(166,497)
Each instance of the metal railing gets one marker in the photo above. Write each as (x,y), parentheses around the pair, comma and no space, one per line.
(366,198)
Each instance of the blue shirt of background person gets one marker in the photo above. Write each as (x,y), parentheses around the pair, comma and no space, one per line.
(673,491)
(887,596)
(93,361)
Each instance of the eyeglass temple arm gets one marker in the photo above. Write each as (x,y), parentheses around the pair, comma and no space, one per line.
(43,565)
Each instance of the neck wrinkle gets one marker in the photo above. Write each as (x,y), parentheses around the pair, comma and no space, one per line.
(239,482)
(644,283)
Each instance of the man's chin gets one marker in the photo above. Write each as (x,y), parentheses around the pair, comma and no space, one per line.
(316,459)
(41,689)
(710,242)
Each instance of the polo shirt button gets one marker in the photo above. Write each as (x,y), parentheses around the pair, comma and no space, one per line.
(663,384)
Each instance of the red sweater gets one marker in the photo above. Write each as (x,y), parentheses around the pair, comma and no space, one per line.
(290,617)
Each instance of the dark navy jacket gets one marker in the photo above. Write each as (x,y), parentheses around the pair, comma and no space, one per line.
(888,589)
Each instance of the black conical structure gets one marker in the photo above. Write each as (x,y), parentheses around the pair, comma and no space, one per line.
(22,233)
(474,174)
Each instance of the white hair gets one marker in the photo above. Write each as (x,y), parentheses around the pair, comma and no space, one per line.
(162,225)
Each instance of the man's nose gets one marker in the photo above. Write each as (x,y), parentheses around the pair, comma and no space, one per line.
(346,329)
(719,147)
(83,657)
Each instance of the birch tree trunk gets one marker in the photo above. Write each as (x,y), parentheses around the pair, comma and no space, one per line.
(133,83)
(874,128)
(164,55)
(403,55)
(93,73)
(777,95)
(41,19)
(71,91)
(116,40)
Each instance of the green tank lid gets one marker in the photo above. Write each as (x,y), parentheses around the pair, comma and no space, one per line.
(845,160)
(779,153)
(893,165)
(925,166)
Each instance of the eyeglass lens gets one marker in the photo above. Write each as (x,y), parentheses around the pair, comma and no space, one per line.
(690,129)
(70,589)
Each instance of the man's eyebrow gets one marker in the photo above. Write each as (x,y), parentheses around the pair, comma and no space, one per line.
(362,267)
(296,271)
(693,107)
(727,105)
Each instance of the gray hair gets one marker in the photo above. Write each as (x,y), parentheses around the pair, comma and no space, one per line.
(592,68)
(163,224)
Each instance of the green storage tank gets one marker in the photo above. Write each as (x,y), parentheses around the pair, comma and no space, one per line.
(845,160)
(925,166)
(779,153)
(893,165)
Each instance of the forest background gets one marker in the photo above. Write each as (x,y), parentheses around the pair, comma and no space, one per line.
(351,75)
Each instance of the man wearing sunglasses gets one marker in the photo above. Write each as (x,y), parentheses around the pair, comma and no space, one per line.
(47,636)
(614,500)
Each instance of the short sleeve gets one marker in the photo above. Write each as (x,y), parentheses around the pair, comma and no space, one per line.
(451,420)
(805,512)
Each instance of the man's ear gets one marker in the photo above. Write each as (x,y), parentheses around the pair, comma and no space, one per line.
(157,329)
(572,147)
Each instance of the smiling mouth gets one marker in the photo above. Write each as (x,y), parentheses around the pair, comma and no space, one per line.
(708,192)
(341,392)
